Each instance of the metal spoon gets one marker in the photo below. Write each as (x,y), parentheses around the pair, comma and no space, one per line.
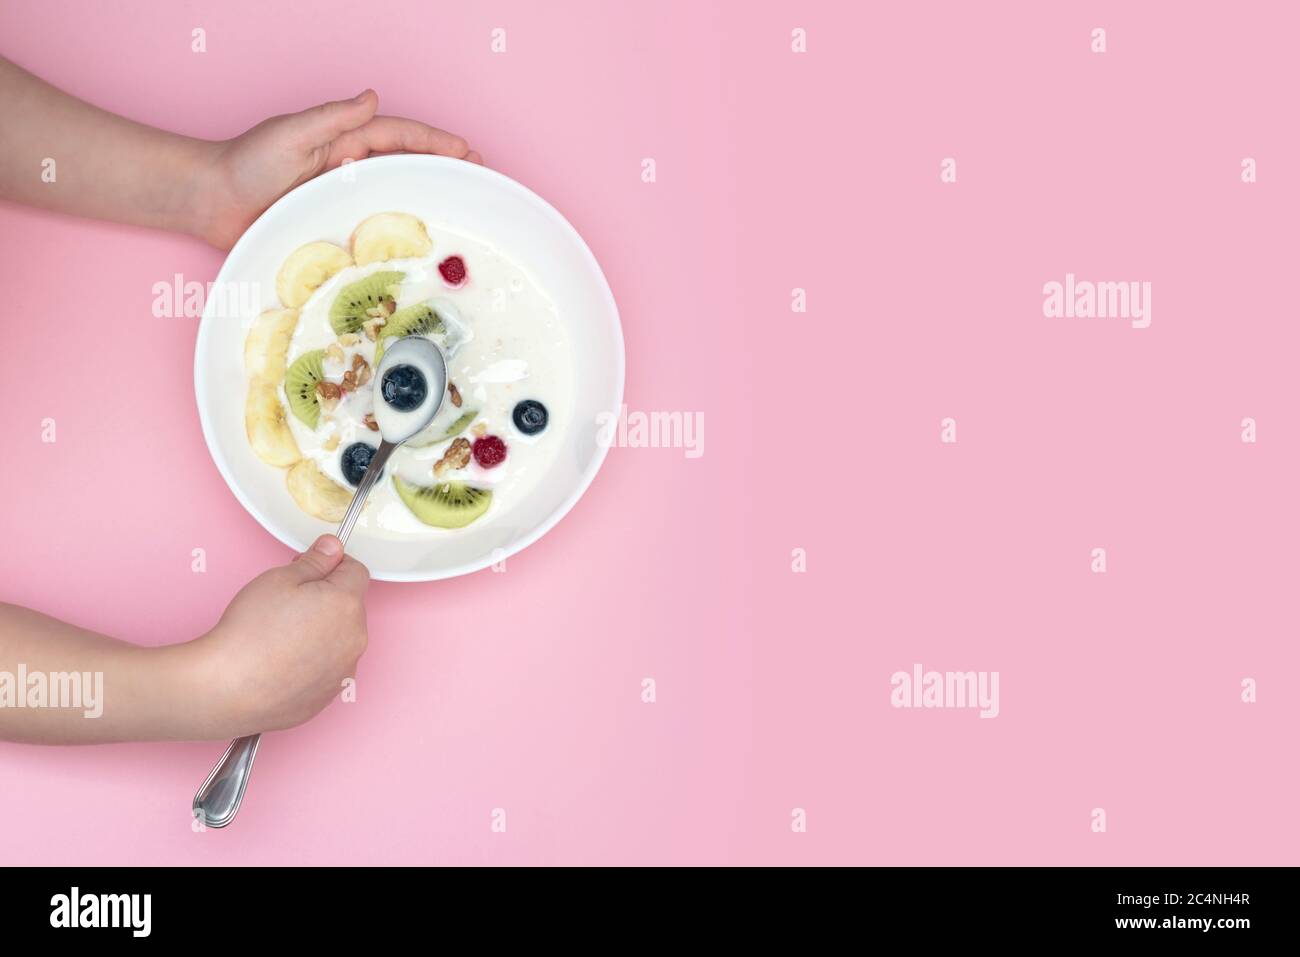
(217,801)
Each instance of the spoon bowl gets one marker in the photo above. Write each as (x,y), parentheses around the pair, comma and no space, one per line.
(425,367)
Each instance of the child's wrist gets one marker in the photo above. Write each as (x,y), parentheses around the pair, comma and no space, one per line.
(205,188)
(190,692)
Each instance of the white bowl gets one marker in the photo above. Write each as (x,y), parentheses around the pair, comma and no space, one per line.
(467,198)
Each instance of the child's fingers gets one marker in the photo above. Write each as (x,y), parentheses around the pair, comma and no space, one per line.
(391,134)
(351,575)
(474,157)
(329,120)
(324,556)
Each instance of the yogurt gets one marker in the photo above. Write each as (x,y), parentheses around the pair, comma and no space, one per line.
(504,342)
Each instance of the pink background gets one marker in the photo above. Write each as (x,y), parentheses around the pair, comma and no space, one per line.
(775,171)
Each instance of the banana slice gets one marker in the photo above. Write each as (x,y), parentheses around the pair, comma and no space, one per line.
(316,493)
(389,236)
(267,345)
(306,268)
(268,432)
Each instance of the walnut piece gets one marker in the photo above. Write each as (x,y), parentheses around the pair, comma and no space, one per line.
(328,395)
(456,457)
(334,352)
(361,369)
(369,421)
(371,327)
(349,339)
(454,393)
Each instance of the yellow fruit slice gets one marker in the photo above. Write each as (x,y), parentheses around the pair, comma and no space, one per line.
(316,493)
(306,269)
(264,421)
(267,345)
(390,236)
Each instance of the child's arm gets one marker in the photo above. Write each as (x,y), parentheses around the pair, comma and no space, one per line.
(279,654)
(108,167)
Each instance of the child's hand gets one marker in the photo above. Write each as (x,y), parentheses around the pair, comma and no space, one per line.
(131,173)
(279,654)
(250,172)
(286,642)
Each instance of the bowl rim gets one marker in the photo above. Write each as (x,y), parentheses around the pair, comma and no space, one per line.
(202,348)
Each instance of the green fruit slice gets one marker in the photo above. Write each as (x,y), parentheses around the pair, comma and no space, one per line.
(300,386)
(445,505)
(421,441)
(359,302)
(419,320)
(459,426)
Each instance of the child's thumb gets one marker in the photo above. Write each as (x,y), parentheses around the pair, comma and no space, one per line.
(332,119)
(319,560)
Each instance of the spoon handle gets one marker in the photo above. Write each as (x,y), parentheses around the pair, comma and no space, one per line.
(368,480)
(217,801)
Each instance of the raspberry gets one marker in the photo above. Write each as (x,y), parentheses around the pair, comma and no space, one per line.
(453,270)
(489,451)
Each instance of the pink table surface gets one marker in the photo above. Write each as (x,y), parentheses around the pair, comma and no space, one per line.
(775,170)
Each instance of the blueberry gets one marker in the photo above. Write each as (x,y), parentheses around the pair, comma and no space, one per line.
(530,417)
(356,459)
(404,388)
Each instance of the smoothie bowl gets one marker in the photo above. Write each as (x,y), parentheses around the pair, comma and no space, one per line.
(345,266)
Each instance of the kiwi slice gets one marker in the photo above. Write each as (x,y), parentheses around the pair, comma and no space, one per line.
(445,505)
(419,320)
(359,302)
(423,439)
(459,426)
(300,386)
